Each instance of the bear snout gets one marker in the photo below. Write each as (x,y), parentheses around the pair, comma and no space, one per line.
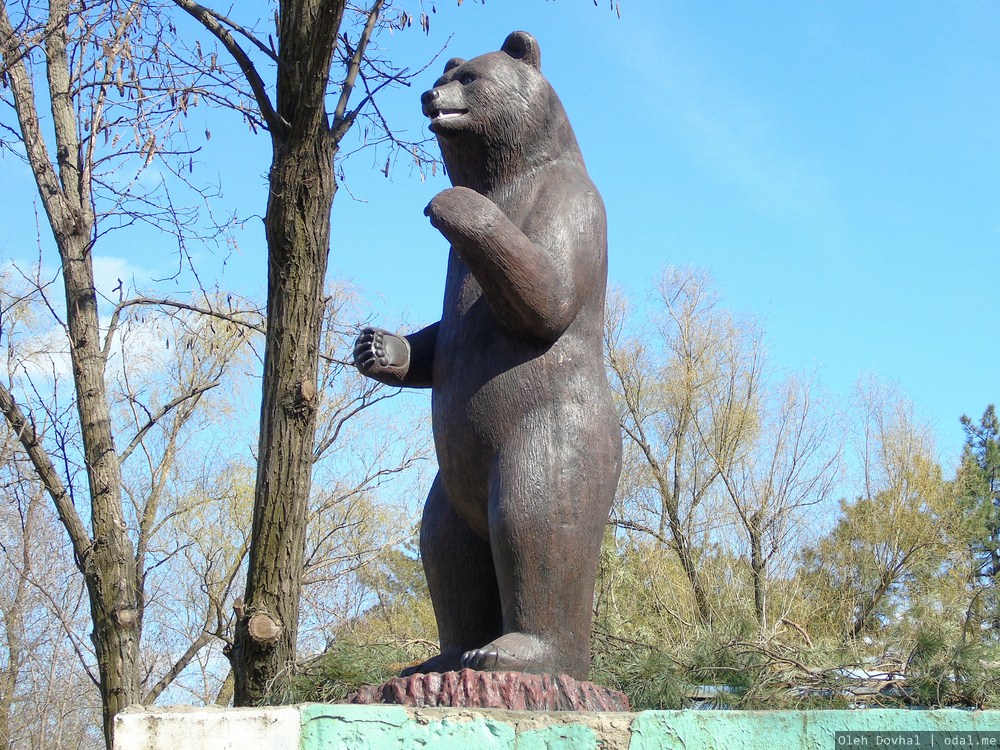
(428,102)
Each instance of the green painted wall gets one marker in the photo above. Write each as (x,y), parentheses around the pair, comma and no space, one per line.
(396,728)
(809,730)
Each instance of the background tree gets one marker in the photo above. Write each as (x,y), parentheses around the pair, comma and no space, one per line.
(152,410)
(978,486)
(46,692)
(887,543)
(186,498)
(686,392)
(108,108)
(774,480)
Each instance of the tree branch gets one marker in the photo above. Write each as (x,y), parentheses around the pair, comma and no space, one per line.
(244,33)
(210,20)
(69,630)
(633,526)
(163,302)
(329,440)
(186,658)
(27,114)
(167,408)
(341,122)
(78,535)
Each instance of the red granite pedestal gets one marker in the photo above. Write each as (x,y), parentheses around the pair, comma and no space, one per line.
(518,691)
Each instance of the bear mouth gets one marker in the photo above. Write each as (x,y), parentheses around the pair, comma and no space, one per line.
(443,115)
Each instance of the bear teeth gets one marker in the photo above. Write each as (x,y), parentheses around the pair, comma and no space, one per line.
(445,113)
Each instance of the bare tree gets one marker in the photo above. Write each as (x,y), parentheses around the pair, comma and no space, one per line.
(42,604)
(150,417)
(313,37)
(111,78)
(112,101)
(687,393)
(789,468)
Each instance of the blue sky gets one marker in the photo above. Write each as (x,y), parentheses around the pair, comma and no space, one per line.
(836,166)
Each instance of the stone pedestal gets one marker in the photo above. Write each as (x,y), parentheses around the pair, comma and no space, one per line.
(517,691)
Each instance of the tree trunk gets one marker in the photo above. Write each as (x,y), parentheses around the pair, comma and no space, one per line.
(886,580)
(691,571)
(304,138)
(297,225)
(106,558)
(671,498)
(14,631)
(682,543)
(107,561)
(298,237)
(758,572)
(109,568)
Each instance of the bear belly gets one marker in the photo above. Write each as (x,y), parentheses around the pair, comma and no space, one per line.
(490,389)
(477,401)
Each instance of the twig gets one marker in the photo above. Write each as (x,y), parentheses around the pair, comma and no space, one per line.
(798,629)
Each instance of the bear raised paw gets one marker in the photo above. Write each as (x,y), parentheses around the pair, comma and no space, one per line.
(527,437)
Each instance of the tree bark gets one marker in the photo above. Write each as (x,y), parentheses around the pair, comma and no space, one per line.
(298,236)
(297,227)
(109,568)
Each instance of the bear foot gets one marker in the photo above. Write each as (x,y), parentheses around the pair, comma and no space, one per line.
(513,652)
(449,661)
(382,355)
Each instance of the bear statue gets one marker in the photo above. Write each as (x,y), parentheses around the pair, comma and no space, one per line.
(525,430)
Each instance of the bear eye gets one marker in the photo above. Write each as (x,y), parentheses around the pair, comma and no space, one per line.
(466,78)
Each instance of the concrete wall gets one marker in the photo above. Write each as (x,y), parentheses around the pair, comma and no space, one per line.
(336,727)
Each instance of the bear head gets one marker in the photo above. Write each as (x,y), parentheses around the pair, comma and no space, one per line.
(496,115)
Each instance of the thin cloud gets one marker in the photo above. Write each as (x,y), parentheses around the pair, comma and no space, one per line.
(733,133)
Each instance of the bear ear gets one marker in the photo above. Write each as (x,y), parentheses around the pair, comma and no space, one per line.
(453,63)
(524,47)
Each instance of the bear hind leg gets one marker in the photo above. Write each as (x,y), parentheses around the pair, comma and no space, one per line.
(551,491)
(462,581)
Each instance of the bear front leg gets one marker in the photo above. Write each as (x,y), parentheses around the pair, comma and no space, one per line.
(521,284)
(461,213)
(405,361)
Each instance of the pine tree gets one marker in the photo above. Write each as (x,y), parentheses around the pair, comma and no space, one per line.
(979,488)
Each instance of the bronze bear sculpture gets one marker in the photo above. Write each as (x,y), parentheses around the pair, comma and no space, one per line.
(526,434)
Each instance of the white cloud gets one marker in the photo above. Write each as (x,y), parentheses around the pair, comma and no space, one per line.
(41,350)
(111,271)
